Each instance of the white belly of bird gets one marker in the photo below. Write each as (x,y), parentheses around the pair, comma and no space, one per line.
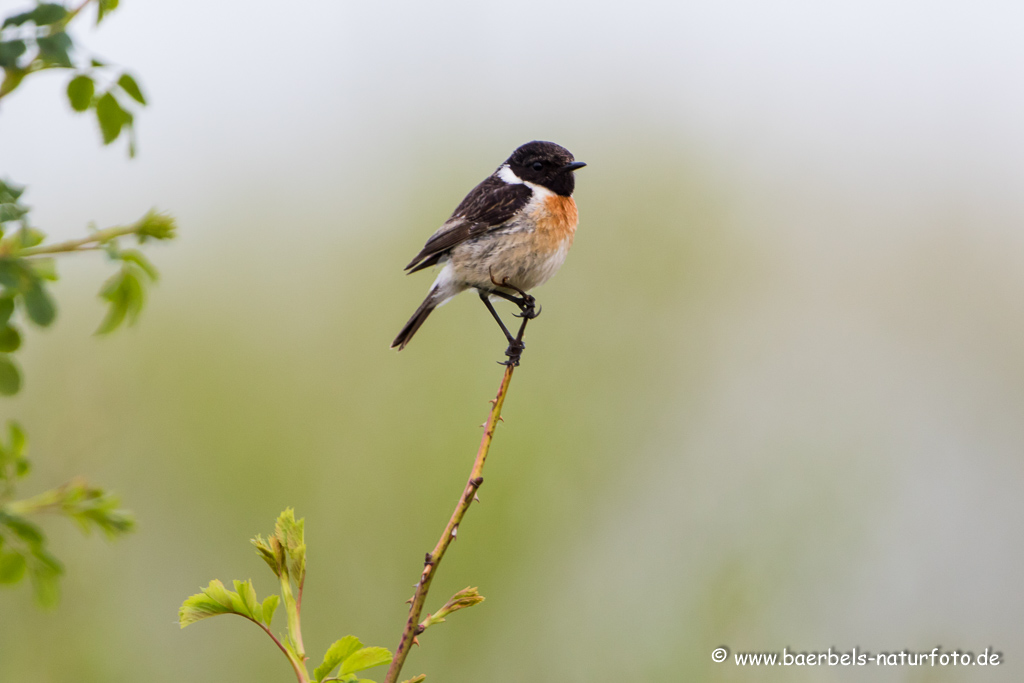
(546,268)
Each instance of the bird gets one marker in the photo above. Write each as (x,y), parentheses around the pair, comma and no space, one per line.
(510,234)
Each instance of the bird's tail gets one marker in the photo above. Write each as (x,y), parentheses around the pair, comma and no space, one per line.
(429,304)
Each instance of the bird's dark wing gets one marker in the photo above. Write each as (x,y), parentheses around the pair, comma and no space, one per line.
(488,205)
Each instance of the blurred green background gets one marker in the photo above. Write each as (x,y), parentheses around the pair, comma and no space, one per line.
(775,397)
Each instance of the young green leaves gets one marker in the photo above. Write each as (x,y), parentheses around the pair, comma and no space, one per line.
(216,599)
(284,551)
(467,597)
(350,654)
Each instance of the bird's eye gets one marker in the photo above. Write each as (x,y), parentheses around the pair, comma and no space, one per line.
(537,166)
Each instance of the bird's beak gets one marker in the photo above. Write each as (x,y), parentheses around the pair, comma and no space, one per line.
(573,166)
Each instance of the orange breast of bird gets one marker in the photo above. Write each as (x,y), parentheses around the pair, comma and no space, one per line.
(556,218)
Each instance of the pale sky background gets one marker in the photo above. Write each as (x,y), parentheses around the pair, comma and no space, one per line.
(900,100)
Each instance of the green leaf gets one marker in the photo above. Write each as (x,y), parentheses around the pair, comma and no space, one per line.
(22,528)
(80,92)
(113,292)
(12,212)
(366,658)
(12,567)
(9,192)
(219,593)
(336,654)
(6,308)
(111,117)
(135,294)
(105,8)
(38,304)
(10,50)
(16,438)
(417,679)
(250,604)
(129,85)
(17,19)
(29,237)
(135,256)
(44,268)
(269,607)
(126,296)
(10,377)
(43,560)
(48,13)
(199,606)
(10,339)
(11,274)
(54,49)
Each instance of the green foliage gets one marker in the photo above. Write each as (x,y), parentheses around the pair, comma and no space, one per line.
(365,658)
(13,463)
(216,599)
(81,89)
(105,8)
(337,653)
(284,551)
(26,265)
(32,41)
(36,40)
(23,548)
(467,597)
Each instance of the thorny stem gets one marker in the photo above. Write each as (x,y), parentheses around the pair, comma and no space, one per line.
(434,558)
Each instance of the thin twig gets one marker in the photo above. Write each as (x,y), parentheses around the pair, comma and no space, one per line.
(434,559)
(81,244)
(300,672)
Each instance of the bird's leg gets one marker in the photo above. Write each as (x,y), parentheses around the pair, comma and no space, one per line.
(528,310)
(515,344)
(487,302)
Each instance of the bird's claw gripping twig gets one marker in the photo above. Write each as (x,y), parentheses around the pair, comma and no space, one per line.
(514,352)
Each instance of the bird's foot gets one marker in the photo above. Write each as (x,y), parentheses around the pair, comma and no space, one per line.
(529,309)
(514,352)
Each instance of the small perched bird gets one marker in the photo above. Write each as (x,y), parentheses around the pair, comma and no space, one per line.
(510,234)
